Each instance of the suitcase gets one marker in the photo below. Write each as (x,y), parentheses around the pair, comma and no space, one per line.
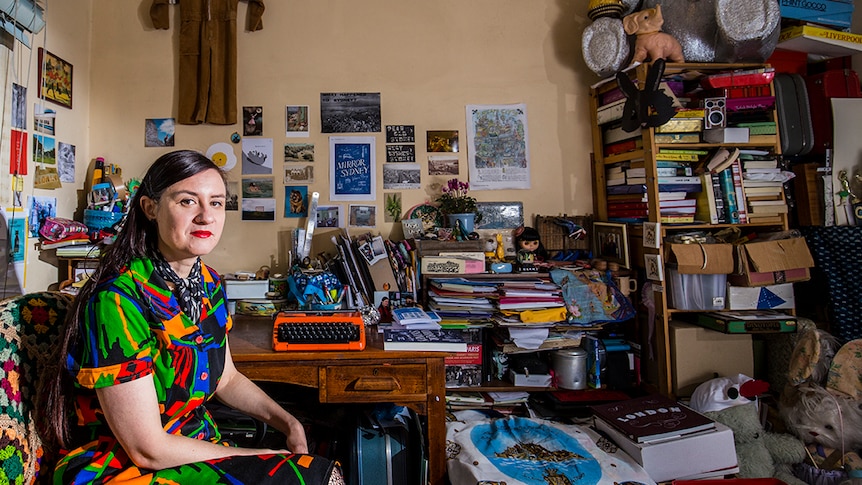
(794,114)
(386,452)
(822,87)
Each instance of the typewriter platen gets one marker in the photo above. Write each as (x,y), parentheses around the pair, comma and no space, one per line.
(315,331)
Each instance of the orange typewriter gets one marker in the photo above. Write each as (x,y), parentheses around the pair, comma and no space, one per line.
(314,331)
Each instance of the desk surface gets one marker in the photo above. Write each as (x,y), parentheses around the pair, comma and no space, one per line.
(414,379)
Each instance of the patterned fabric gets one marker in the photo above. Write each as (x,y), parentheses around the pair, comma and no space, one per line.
(30,328)
(845,373)
(837,255)
(189,290)
(133,327)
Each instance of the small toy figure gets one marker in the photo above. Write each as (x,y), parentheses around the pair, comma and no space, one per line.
(651,42)
(529,245)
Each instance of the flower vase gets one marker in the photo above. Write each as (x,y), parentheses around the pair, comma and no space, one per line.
(467,219)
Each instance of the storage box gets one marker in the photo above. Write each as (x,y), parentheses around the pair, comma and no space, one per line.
(698,354)
(779,297)
(701,258)
(772,262)
(827,12)
(530,380)
(696,291)
(709,454)
(726,135)
(246,289)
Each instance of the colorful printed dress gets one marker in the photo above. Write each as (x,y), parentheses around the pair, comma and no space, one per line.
(133,327)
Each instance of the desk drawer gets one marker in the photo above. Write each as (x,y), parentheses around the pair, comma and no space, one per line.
(368,383)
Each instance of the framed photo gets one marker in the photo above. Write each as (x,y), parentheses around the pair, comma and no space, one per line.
(55,79)
(500,215)
(652,235)
(654,267)
(351,168)
(610,242)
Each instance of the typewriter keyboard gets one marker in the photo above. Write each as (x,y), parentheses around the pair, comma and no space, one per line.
(311,334)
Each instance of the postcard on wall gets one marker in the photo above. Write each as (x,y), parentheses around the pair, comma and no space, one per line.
(443,165)
(295,201)
(442,141)
(500,215)
(257,156)
(330,216)
(257,188)
(498,153)
(654,268)
(44,149)
(18,153)
(66,162)
(19,107)
(299,152)
(400,134)
(296,121)
(350,112)
(258,209)
(252,120)
(351,168)
(159,132)
(363,215)
(302,174)
(392,207)
(652,235)
(223,155)
(232,203)
(44,119)
(38,209)
(400,153)
(17,240)
(399,176)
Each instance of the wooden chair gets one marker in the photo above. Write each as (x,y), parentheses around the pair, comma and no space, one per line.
(30,327)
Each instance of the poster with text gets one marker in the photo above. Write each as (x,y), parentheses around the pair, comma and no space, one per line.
(498,153)
(352,174)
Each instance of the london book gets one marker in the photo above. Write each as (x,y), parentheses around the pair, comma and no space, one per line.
(651,418)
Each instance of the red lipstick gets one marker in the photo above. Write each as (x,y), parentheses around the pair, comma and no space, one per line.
(202,234)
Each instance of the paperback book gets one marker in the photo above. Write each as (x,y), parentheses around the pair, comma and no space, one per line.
(651,418)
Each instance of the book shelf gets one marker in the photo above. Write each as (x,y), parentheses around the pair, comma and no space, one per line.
(646,148)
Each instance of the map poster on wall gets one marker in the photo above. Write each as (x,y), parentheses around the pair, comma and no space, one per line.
(498,153)
(352,175)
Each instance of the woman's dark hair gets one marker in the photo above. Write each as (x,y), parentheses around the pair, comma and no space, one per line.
(137,238)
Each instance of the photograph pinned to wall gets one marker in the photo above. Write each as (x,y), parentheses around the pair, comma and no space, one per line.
(299,152)
(351,168)
(257,188)
(330,216)
(442,141)
(400,153)
(44,149)
(258,209)
(19,107)
(350,112)
(44,119)
(295,201)
(402,176)
(362,216)
(443,165)
(296,121)
(500,215)
(17,239)
(257,156)
(400,134)
(412,228)
(610,242)
(39,208)
(493,130)
(373,250)
(223,155)
(653,266)
(18,152)
(232,203)
(46,177)
(303,174)
(652,235)
(159,132)
(17,191)
(392,207)
(252,120)
(66,162)
(55,79)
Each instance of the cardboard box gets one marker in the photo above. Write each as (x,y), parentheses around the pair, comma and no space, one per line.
(698,353)
(772,262)
(701,258)
(701,455)
(779,297)
(451,265)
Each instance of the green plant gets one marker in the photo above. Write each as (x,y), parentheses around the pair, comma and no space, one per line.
(455,198)
(393,206)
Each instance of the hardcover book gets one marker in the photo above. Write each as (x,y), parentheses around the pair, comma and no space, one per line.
(443,340)
(651,418)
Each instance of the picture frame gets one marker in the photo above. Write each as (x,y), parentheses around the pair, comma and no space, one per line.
(654,267)
(500,215)
(652,235)
(55,78)
(610,242)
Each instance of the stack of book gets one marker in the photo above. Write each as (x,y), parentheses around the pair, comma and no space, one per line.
(763,193)
(461,298)
(686,126)
(415,318)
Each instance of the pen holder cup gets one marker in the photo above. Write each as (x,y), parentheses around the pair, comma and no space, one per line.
(96,220)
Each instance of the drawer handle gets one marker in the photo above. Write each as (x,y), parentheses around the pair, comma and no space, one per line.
(377,384)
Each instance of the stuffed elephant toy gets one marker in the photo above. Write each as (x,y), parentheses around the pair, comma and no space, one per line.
(651,42)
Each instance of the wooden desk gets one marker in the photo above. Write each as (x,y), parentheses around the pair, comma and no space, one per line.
(413,379)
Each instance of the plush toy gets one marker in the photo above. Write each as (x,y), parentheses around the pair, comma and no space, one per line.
(651,42)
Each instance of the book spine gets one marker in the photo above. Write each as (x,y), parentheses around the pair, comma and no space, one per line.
(726,178)
(680,157)
(720,209)
(736,171)
(706,206)
(610,112)
(694,187)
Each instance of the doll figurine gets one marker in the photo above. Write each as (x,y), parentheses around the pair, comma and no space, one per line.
(529,247)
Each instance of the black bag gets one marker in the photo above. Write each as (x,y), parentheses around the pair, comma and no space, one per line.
(386,451)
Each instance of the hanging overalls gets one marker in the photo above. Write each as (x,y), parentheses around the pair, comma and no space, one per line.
(207,73)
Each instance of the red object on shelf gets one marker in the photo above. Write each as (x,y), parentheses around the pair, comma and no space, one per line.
(753,77)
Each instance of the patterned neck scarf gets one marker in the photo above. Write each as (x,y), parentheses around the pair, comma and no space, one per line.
(189,291)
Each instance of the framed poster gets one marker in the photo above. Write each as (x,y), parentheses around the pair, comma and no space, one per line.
(610,242)
(352,173)
(55,79)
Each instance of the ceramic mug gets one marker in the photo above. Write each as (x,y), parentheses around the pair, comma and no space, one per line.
(627,285)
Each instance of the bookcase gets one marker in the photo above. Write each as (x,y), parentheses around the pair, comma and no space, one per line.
(683,136)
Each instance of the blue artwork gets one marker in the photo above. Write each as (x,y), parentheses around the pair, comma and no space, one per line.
(352,174)
(296,201)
